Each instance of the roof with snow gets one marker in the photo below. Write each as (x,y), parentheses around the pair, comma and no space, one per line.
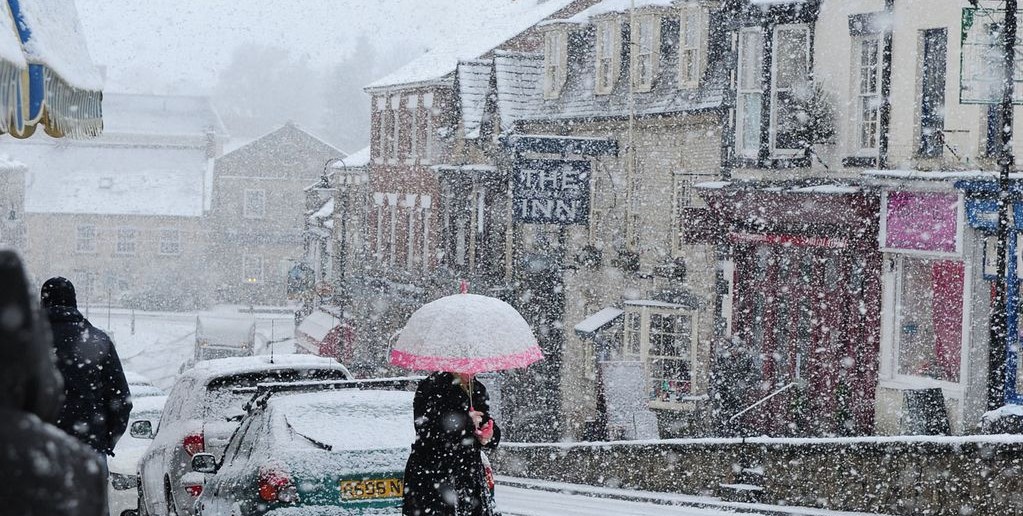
(472,42)
(287,127)
(166,115)
(80,179)
(579,101)
(359,158)
(517,76)
(473,78)
(608,7)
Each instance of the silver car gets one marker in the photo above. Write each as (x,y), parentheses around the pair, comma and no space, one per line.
(202,411)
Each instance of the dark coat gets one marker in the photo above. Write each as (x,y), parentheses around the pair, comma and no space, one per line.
(96,398)
(43,471)
(444,474)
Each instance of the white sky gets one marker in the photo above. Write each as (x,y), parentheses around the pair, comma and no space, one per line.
(179,45)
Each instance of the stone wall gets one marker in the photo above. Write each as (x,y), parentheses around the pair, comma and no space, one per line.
(952,476)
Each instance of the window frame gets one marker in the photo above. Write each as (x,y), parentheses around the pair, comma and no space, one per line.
(754,90)
(690,52)
(643,82)
(925,148)
(555,62)
(92,240)
(779,152)
(643,313)
(607,54)
(891,368)
(249,213)
(862,96)
(121,244)
(164,241)
(681,198)
(247,262)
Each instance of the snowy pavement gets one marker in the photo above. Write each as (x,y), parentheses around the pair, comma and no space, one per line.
(162,341)
(527,497)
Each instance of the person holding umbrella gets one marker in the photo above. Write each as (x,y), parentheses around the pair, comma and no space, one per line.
(457,337)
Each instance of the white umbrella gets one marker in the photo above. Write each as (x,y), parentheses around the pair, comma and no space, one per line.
(465,333)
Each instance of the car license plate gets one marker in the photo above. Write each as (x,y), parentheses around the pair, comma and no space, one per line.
(371,489)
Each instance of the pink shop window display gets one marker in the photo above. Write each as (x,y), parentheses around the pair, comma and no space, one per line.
(922,233)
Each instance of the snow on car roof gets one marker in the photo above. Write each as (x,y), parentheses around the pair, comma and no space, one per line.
(149,404)
(239,365)
(351,420)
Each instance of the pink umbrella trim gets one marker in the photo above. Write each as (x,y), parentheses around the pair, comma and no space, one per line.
(465,365)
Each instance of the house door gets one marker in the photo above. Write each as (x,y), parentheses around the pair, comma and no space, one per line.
(792,302)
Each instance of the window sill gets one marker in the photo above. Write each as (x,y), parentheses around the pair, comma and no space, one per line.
(773,162)
(907,383)
(859,161)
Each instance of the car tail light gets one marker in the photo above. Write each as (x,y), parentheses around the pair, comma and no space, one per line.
(194,443)
(194,491)
(275,485)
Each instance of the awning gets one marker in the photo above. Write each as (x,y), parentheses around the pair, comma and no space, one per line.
(597,321)
(321,333)
(61,88)
(314,328)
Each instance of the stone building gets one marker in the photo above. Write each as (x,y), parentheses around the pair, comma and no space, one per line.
(120,215)
(255,225)
(648,84)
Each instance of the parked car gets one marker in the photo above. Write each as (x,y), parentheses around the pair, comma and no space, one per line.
(203,409)
(332,452)
(122,485)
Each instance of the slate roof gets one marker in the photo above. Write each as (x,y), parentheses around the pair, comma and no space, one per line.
(473,80)
(517,77)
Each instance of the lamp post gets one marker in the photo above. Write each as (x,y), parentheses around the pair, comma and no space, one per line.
(997,348)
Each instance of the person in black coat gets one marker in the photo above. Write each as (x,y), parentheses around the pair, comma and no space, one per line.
(96,398)
(444,475)
(43,471)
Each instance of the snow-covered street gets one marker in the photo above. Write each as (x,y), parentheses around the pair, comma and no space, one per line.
(525,497)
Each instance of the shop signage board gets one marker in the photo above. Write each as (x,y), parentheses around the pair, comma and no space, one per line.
(789,240)
(550,191)
(923,222)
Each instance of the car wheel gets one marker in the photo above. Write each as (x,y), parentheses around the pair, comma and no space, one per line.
(143,509)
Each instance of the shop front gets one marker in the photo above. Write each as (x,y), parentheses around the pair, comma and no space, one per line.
(803,304)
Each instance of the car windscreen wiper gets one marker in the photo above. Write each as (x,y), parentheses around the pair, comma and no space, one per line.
(319,444)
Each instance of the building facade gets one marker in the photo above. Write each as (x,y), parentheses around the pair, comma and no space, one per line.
(120,215)
(255,224)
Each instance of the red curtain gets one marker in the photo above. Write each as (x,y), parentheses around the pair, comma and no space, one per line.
(947,313)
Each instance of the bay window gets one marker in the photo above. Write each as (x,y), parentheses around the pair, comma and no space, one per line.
(749,92)
(663,337)
(790,86)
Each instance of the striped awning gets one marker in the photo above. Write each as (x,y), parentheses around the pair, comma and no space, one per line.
(47,77)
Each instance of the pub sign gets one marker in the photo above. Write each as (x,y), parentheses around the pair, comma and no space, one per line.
(552,191)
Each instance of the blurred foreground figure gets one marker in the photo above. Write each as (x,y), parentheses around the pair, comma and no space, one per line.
(96,398)
(43,471)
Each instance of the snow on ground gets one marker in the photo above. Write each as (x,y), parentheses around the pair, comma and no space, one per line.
(528,497)
(162,341)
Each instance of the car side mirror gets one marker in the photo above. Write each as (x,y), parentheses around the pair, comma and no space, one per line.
(204,463)
(142,429)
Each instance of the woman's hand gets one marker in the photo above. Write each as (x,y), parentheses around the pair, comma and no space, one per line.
(486,432)
(477,419)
